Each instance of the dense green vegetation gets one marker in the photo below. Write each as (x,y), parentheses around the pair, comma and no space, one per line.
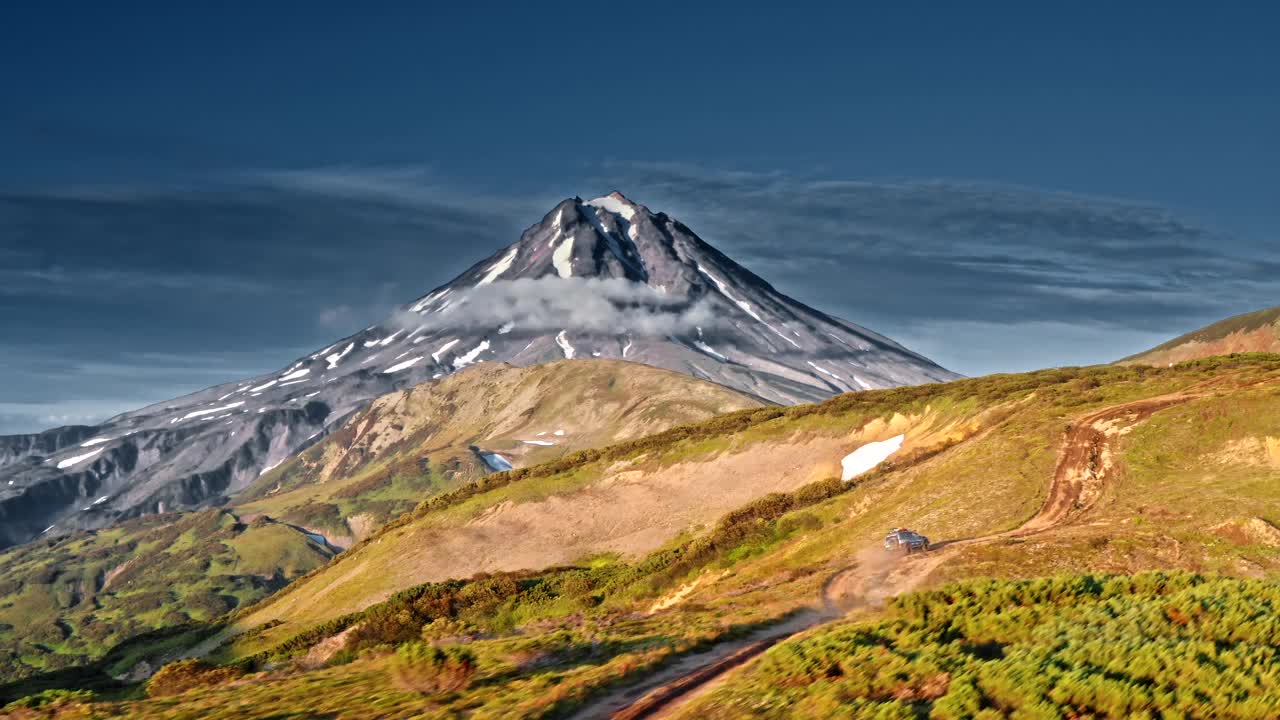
(1153,645)
(67,601)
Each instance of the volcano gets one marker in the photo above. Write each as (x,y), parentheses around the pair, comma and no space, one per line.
(598,278)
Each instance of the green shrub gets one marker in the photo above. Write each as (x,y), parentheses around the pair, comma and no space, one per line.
(432,670)
(183,675)
(50,699)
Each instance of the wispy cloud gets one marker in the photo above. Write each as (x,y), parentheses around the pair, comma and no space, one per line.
(904,251)
(238,272)
(596,305)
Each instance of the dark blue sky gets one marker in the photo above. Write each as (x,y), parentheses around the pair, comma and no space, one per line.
(191,195)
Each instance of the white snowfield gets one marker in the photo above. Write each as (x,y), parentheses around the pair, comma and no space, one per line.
(614,205)
(562,339)
(544,443)
(335,357)
(499,267)
(76,459)
(464,360)
(403,365)
(443,349)
(496,462)
(211,411)
(562,258)
(868,456)
(295,375)
(95,441)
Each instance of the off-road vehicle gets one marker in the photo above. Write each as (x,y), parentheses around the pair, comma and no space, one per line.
(905,541)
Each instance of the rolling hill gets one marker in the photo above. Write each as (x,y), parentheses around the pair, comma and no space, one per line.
(1077,473)
(68,600)
(1257,331)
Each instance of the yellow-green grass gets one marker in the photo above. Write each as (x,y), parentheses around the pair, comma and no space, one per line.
(988,483)
(989,479)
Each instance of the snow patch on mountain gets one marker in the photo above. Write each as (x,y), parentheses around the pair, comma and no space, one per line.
(77,459)
(464,360)
(562,258)
(614,204)
(868,456)
(443,349)
(562,340)
(335,357)
(496,462)
(212,411)
(500,267)
(403,365)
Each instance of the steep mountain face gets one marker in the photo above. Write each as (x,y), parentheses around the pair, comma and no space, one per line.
(600,278)
(1257,331)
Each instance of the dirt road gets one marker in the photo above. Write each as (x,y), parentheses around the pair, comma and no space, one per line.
(1084,466)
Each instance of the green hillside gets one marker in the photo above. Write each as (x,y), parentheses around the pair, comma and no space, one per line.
(992,446)
(1079,473)
(67,601)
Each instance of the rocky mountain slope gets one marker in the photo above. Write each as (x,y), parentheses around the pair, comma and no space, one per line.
(1258,331)
(67,600)
(601,278)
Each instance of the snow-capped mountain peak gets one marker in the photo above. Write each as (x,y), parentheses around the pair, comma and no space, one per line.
(599,278)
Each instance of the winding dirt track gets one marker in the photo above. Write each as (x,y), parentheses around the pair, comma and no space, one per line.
(1084,465)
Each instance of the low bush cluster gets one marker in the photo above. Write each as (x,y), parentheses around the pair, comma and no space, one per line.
(432,670)
(183,675)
